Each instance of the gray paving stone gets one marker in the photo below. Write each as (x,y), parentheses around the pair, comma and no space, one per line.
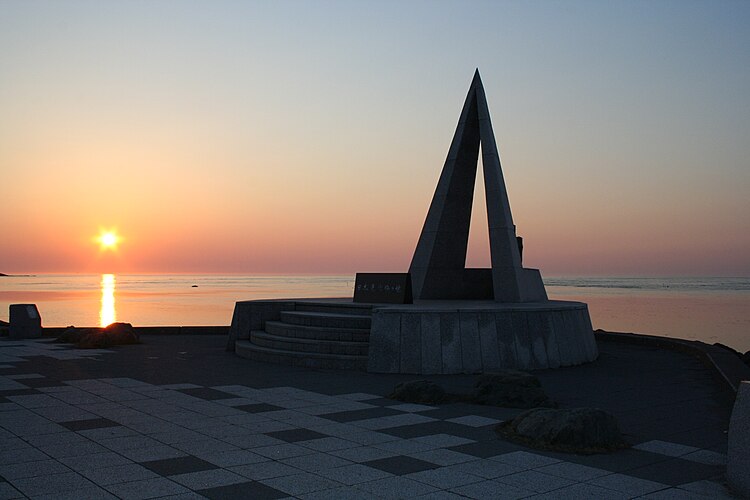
(118,474)
(232,457)
(492,489)
(147,488)
(444,477)
(353,474)
(443,457)
(95,460)
(328,444)
(535,481)
(363,454)
(51,483)
(281,451)
(524,459)
(582,491)
(706,457)
(90,493)
(57,439)
(487,469)
(208,445)
(251,441)
(315,462)
(265,470)
(128,442)
(150,453)
(208,479)
(74,450)
(341,493)
(712,489)
(396,487)
(299,484)
(31,469)
(632,486)
(17,456)
(442,440)
(575,472)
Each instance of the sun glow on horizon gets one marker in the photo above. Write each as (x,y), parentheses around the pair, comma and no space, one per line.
(108,240)
(107,314)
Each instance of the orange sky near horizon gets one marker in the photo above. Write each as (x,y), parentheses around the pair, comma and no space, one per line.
(233,140)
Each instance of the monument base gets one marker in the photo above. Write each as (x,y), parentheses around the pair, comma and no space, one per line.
(446,337)
(427,337)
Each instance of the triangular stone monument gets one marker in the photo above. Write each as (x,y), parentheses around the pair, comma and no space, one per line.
(438,266)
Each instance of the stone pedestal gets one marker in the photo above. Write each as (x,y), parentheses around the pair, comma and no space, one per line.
(738,457)
(450,337)
(25,322)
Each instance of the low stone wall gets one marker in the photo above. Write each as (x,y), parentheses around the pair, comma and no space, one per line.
(431,340)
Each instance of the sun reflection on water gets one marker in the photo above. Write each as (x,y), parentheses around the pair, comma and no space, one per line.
(108,315)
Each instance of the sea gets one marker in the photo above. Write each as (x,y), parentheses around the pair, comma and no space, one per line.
(706,309)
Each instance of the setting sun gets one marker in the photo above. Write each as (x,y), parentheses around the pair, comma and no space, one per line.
(108,240)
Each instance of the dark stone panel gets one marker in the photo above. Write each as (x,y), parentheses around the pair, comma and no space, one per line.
(295,435)
(84,425)
(351,416)
(252,489)
(400,465)
(207,394)
(258,408)
(181,465)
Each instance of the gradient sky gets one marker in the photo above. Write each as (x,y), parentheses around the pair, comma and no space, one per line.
(308,137)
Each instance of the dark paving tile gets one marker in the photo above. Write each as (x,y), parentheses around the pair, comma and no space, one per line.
(294,435)
(619,461)
(84,425)
(36,383)
(258,408)
(207,393)
(677,471)
(20,392)
(351,416)
(400,465)
(488,448)
(181,465)
(383,402)
(439,427)
(254,490)
(4,400)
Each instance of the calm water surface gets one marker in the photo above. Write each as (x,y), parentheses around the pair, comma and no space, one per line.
(707,309)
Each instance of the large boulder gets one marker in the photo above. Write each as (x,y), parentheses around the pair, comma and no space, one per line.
(121,334)
(510,389)
(746,358)
(99,338)
(419,391)
(575,430)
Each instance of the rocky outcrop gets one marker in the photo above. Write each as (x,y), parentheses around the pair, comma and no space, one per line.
(576,430)
(510,389)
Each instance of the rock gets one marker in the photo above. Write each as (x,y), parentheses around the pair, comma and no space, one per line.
(99,338)
(93,340)
(576,430)
(71,335)
(727,348)
(510,389)
(419,391)
(121,334)
(746,358)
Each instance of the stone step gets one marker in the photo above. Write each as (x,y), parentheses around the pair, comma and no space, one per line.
(326,319)
(271,341)
(334,307)
(248,350)
(317,332)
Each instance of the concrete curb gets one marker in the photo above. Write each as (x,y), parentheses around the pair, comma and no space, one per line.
(728,368)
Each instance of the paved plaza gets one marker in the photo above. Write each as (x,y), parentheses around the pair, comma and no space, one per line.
(178,417)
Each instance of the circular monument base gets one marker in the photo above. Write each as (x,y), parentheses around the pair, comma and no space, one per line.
(446,337)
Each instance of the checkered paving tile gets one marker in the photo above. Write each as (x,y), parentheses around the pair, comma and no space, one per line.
(124,437)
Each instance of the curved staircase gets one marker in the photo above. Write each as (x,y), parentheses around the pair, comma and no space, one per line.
(313,335)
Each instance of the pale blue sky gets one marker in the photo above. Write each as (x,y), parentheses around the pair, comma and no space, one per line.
(624,128)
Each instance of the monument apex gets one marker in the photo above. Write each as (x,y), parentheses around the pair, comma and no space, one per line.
(438,266)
